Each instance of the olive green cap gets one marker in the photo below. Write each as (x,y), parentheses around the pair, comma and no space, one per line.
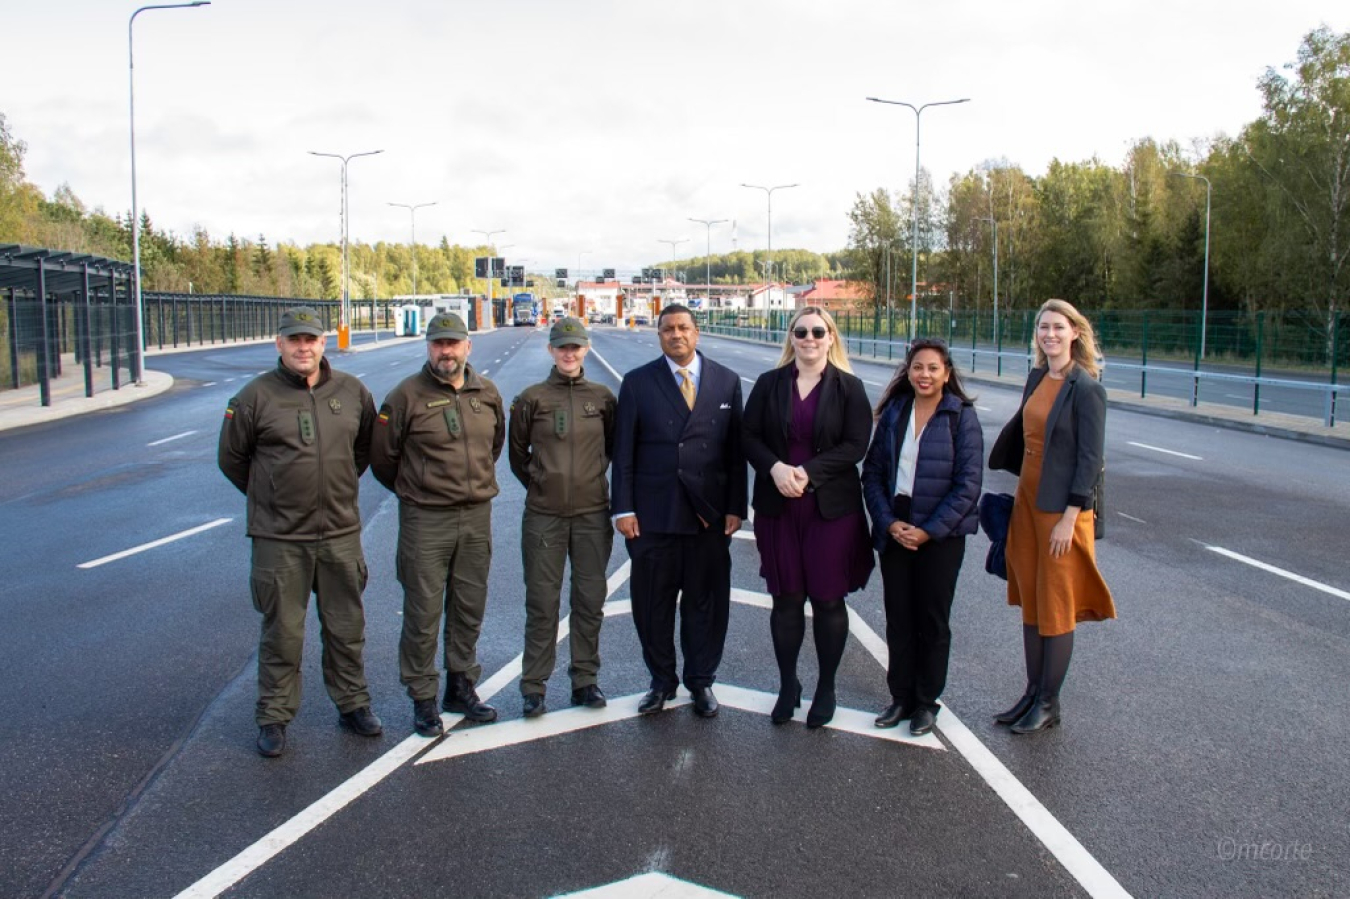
(447,326)
(568,332)
(300,320)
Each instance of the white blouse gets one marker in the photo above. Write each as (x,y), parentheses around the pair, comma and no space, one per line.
(909,459)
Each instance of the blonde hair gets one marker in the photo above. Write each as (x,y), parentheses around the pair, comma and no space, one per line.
(1084,351)
(838,353)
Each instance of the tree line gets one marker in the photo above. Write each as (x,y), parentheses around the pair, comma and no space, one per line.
(1127,236)
(1133,236)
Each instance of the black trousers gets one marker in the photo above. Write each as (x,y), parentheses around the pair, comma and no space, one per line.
(695,571)
(918,586)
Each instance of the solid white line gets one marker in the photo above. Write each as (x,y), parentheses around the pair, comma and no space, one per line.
(601,359)
(209,384)
(873,383)
(1044,826)
(748,380)
(174,437)
(743,535)
(983,409)
(290,832)
(1132,518)
(154,543)
(1159,449)
(358,374)
(1264,566)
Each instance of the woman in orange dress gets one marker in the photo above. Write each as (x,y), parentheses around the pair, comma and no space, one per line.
(1056,445)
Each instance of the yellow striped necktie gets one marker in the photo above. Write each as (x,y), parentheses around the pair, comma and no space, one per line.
(686,387)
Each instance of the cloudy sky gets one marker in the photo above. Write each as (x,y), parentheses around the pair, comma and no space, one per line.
(600,126)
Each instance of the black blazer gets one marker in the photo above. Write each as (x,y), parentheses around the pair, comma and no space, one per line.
(1075,442)
(839,439)
(673,465)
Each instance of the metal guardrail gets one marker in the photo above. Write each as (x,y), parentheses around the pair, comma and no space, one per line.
(881,348)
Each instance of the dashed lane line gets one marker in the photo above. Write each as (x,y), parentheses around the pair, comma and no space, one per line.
(165,440)
(155,543)
(1159,449)
(1266,566)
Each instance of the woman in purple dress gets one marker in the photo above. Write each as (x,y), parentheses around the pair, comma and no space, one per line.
(806,427)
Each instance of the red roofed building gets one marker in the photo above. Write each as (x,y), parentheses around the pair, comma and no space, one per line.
(837,296)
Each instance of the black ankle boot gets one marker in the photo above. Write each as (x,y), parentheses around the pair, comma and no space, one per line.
(1043,715)
(1016,712)
(822,709)
(789,698)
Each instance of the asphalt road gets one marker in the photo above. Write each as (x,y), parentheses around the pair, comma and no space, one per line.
(1201,752)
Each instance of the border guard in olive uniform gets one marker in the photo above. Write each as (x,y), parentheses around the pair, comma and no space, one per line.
(561,437)
(296,441)
(437,440)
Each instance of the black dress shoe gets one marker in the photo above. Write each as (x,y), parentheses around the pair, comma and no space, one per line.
(461,698)
(654,701)
(590,696)
(894,714)
(1013,714)
(822,709)
(362,722)
(789,699)
(921,722)
(533,706)
(426,719)
(705,703)
(271,740)
(1043,715)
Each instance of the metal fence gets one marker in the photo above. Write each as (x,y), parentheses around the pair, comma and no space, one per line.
(1259,353)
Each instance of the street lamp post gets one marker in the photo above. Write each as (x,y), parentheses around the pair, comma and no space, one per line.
(707,277)
(412,215)
(914,250)
(139,373)
(1204,299)
(768,196)
(998,348)
(487,239)
(673,245)
(345,215)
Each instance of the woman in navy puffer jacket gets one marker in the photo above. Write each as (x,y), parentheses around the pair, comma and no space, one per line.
(921,481)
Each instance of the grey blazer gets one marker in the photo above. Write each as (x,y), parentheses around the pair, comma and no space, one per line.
(1075,442)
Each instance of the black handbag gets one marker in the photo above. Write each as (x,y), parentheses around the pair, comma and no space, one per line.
(1099,506)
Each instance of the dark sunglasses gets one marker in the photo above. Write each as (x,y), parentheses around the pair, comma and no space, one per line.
(817,332)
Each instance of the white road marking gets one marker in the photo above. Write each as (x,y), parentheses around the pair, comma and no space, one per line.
(484,372)
(155,543)
(601,359)
(1132,518)
(651,885)
(747,380)
(983,409)
(358,374)
(1159,449)
(873,383)
(743,535)
(174,437)
(209,384)
(1266,566)
(229,380)
(395,364)
(290,832)
(1044,826)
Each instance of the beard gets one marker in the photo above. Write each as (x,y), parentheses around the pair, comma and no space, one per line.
(447,368)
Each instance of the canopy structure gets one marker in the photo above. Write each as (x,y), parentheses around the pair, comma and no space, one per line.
(60,302)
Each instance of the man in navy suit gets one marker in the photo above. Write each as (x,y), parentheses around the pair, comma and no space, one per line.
(679,493)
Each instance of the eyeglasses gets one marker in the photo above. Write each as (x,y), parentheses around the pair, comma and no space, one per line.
(817,332)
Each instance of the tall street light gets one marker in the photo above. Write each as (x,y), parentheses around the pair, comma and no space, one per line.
(768,196)
(673,245)
(1204,301)
(412,214)
(344,213)
(139,373)
(997,348)
(914,268)
(487,239)
(707,277)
